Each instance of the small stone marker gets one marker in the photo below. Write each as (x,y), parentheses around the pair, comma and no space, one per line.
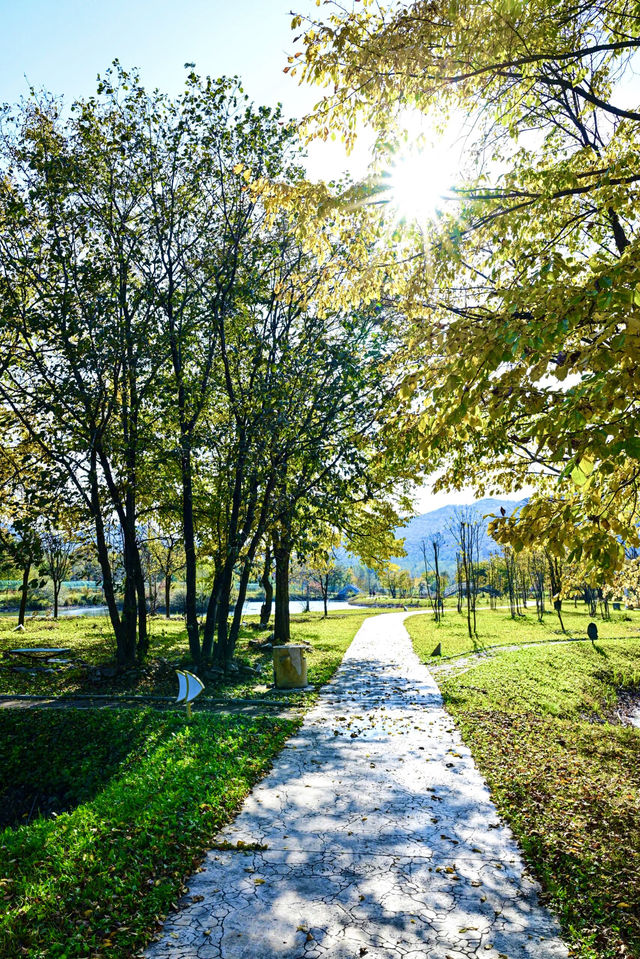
(438,650)
(289,667)
(592,632)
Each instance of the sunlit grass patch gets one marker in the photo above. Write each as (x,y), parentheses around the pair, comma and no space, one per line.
(565,777)
(91,642)
(145,793)
(496,627)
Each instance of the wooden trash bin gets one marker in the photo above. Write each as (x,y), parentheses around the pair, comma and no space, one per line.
(289,667)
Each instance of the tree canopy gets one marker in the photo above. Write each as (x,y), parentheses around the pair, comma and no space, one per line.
(523,294)
(168,350)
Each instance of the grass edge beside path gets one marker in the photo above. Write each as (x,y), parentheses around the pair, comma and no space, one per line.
(565,778)
(497,629)
(97,880)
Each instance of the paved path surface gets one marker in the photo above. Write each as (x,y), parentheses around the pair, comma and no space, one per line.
(373,836)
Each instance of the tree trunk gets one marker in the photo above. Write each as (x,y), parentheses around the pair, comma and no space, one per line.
(153,588)
(107,581)
(459,583)
(24,589)
(191,612)
(134,609)
(103,559)
(167,596)
(555,582)
(56,594)
(467,577)
(141,591)
(439,602)
(265,609)
(307,605)
(282,628)
(237,613)
(221,649)
(211,619)
(127,650)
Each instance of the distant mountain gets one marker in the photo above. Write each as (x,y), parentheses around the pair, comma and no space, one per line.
(439,521)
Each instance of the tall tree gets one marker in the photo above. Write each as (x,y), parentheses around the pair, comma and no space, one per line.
(30,489)
(87,351)
(129,244)
(525,291)
(59,549)
(21,549)
(212,252)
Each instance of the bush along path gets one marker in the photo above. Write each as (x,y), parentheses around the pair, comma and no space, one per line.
(374,835)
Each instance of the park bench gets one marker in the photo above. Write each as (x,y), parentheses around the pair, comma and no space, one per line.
(50,655)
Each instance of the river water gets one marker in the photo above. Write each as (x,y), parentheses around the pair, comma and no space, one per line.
(251,608)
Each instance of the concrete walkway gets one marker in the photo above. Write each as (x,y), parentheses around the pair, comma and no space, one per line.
(374,835)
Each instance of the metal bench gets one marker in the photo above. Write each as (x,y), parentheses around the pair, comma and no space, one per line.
(39,654)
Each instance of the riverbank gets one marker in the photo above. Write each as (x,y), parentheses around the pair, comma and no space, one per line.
(250,608)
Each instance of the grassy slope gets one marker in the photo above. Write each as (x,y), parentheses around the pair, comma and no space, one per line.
(495,627)
(92,642)
(146,793)
(567,780)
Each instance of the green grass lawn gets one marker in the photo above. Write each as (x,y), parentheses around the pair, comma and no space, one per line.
(565,774)
(107,811)
(145,793)
(92,644)
(495,627)
(388,602)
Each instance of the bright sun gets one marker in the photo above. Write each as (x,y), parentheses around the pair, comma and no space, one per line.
(420,180)
(420,185)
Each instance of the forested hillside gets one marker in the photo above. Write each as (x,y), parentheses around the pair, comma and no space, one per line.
(425,526)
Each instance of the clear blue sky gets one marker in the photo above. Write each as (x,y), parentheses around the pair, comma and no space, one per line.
(61,45)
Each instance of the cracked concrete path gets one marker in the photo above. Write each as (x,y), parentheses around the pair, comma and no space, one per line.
(373,836)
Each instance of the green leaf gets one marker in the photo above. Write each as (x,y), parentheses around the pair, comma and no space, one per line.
(578,476)
(632,447)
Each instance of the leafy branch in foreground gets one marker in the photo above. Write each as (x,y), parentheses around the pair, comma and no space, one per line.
(524,295)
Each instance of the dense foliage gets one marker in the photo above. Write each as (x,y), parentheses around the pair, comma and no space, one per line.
(167,355)
(524,292)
